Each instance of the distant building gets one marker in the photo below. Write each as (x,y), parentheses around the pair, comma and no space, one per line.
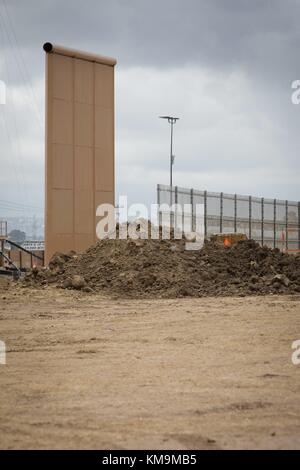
(34,245)
(3,229)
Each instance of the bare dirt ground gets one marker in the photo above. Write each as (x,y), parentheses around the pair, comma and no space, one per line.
(84,371)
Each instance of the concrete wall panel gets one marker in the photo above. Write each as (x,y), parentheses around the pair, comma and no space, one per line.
(104,197)
(104,171)
(104,86)
(84,82)
(62,77)
(82,241)
(79,146)
(84,212)
(62,166)
(62,203)
(84,124)
(104,128)
(84,168)
(62,122)
(64,241)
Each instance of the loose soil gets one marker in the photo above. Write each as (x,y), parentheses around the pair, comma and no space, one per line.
(165,269)
(86,371)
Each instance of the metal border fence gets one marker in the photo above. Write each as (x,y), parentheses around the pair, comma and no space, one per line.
(271,222)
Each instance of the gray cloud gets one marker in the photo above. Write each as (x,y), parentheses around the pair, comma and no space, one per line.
(225,67)
(216,33)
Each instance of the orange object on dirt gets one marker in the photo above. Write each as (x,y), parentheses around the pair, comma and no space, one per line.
(227,242)
(228,239)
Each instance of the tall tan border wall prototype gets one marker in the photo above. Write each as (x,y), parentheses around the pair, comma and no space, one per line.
(79,146)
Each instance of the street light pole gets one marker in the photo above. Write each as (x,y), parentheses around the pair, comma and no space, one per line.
(171,154)
(171,120)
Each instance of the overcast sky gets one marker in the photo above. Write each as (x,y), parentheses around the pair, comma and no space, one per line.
(225,67)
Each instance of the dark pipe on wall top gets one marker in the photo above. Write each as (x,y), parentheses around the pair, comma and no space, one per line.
(75,54)
(48,47)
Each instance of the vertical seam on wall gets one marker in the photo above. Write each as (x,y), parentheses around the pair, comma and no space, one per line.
(221,212)
(48,149)
(46,202)
(298,225)
(235,214)
(262,220)
(73,151)
(94,153)
(250,216)
(205,213)
(287,224)
(192,211)
(114,130)
(275,226)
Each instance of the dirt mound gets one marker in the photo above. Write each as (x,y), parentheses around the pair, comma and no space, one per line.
(163,268)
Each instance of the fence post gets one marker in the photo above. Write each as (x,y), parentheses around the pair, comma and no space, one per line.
(298,225)
(287,225)
(250,217)
(205,213)
(175,210)
(192,205)
(275,215)
(221,213)
(2,251)
(262,220)
(158,205)
(235,213)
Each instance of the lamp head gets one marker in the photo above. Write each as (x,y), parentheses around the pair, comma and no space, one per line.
(171,119)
